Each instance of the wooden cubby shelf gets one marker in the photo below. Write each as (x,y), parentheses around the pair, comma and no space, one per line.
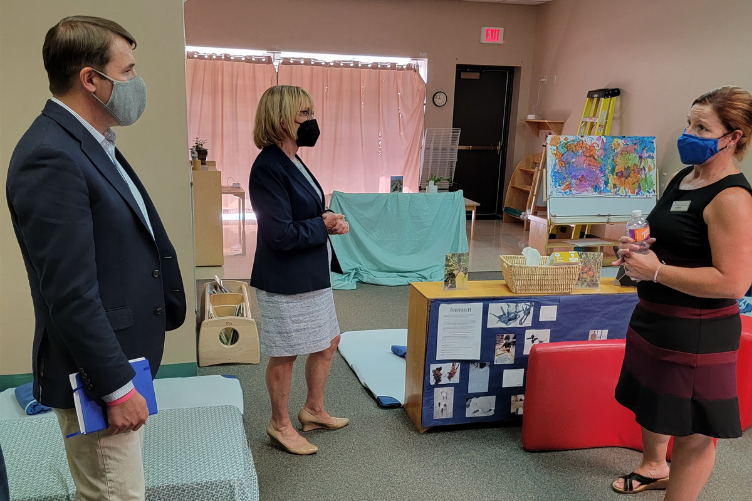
(521,188)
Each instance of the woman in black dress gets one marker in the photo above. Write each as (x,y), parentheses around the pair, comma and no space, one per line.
(679,370)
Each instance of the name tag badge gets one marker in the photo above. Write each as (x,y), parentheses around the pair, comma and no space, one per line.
(682,206)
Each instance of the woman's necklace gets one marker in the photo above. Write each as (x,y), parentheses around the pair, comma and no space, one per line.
(693,185)
(701,183)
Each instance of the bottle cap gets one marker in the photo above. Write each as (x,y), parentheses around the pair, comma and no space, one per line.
(637,213)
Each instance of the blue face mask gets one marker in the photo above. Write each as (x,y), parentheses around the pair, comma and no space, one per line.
(696,150)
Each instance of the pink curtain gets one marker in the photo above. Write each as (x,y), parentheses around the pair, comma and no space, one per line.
(371,118)
(223,94)
(371,121)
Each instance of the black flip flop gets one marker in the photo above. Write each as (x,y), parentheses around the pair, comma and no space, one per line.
(646,484)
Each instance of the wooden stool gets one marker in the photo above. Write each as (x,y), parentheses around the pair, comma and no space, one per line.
(228,334)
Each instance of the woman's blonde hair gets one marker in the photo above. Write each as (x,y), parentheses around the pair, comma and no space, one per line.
(733,106)
(278,104)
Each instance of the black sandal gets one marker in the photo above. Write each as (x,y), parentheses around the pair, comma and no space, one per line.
(646,484)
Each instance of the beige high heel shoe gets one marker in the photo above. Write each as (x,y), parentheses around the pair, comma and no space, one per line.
(310,422)
(307,448)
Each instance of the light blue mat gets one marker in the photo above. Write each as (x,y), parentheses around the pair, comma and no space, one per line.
(397,238)
(369,354)
(172,393)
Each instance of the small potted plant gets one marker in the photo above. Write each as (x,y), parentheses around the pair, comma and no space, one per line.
(433,182)
(198,148)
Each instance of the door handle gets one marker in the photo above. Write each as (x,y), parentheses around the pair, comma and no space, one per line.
(496,148)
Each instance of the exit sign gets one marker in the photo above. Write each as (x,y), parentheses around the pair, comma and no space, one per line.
(489,34)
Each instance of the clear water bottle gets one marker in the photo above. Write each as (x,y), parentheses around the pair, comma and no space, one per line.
(639,231)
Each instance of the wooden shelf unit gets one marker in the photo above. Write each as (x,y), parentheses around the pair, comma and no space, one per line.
(520,187)
(207,217)
(554,126)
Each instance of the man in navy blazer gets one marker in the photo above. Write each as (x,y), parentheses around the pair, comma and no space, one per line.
(103,274)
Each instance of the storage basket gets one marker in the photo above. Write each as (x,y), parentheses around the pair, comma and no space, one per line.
(538,279)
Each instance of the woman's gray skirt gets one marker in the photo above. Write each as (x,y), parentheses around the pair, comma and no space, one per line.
(296,324)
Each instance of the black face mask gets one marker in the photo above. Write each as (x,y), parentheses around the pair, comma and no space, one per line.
(308,133)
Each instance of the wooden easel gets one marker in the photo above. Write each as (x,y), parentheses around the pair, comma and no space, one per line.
(596,120)
(540,169)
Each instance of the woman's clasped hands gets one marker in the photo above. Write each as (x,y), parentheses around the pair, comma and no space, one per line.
(335,223)
(637,266)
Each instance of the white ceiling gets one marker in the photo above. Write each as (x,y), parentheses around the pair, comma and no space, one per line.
(519,2)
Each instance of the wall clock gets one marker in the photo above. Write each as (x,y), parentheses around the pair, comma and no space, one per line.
(440,99)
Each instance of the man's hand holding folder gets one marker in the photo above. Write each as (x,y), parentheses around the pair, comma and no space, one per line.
(127,416)
(128,413)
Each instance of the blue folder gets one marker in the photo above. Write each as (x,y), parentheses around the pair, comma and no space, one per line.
(92,414)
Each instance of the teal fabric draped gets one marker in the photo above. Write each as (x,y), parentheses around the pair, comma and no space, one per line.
(397,238)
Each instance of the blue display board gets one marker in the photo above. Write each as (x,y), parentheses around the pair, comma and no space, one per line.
(454,390)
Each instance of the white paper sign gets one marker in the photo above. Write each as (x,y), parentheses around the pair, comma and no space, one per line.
(512,377)
(548,313)
(458,336)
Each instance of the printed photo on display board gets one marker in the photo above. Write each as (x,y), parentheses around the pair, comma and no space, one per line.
(505,344)
(536,336)
(480,406)
(445,373)
(517,402)
(478,378)
(598,335)
(443,401)
(510,315)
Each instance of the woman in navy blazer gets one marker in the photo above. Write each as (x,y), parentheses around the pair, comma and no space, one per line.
(292,263)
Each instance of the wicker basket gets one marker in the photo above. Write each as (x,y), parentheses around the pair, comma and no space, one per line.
(524,279)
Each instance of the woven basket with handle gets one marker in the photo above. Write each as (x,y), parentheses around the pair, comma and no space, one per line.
(525,279)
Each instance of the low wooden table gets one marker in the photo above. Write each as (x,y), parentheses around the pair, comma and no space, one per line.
(596,243)
(470,206)
(539,236)
(239,193)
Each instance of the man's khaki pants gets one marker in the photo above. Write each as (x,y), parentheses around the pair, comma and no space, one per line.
(104,467)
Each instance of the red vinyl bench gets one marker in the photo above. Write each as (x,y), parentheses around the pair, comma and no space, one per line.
(569,400)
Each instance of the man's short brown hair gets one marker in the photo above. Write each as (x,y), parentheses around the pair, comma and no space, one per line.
(78,42)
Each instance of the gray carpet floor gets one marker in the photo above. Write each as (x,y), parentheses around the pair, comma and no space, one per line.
(381,456)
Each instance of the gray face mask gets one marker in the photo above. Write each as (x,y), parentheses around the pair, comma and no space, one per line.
(128,100)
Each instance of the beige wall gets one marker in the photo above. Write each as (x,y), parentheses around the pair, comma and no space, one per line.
(662,54)
(156,146)
(447,32)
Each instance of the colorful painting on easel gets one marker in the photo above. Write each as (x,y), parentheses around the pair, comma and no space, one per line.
(601,166)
